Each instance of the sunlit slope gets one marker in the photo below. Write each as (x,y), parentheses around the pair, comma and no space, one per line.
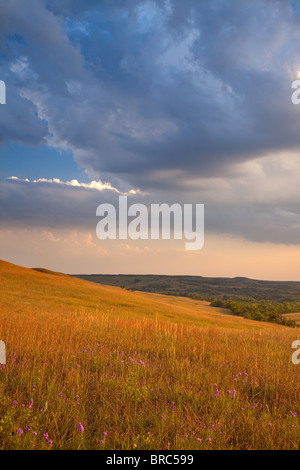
(139,371)
(294,316)
(33,291)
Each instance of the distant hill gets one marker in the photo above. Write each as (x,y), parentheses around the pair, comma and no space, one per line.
(219,287)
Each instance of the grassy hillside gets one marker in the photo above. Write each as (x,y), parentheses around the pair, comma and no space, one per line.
(294,316)
(138,370)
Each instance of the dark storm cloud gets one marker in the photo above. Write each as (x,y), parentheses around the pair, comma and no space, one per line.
(137,86)
(202,85)
(18,119)
(155,94)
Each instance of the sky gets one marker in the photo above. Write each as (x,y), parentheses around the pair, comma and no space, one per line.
(164,101)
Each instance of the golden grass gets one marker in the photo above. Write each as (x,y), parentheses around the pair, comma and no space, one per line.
(294,316)
(139,371)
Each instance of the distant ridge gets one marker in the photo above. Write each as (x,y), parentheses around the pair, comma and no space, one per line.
(219,287)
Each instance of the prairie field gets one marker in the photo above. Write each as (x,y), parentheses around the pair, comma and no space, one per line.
(99,367)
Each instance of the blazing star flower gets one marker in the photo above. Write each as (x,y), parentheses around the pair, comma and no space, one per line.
(233,394)
(30,403)
(80,427)
(20,432)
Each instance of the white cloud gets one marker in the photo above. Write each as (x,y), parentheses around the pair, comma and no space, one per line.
(96,185)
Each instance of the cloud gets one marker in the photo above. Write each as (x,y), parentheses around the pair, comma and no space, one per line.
(259,202)
(54,203)
(148,87)
(96,185)
(188,101)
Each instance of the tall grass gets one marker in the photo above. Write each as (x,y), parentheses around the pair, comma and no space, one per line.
(137,372)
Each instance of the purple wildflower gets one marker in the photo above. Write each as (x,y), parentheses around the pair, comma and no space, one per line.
(80,427)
